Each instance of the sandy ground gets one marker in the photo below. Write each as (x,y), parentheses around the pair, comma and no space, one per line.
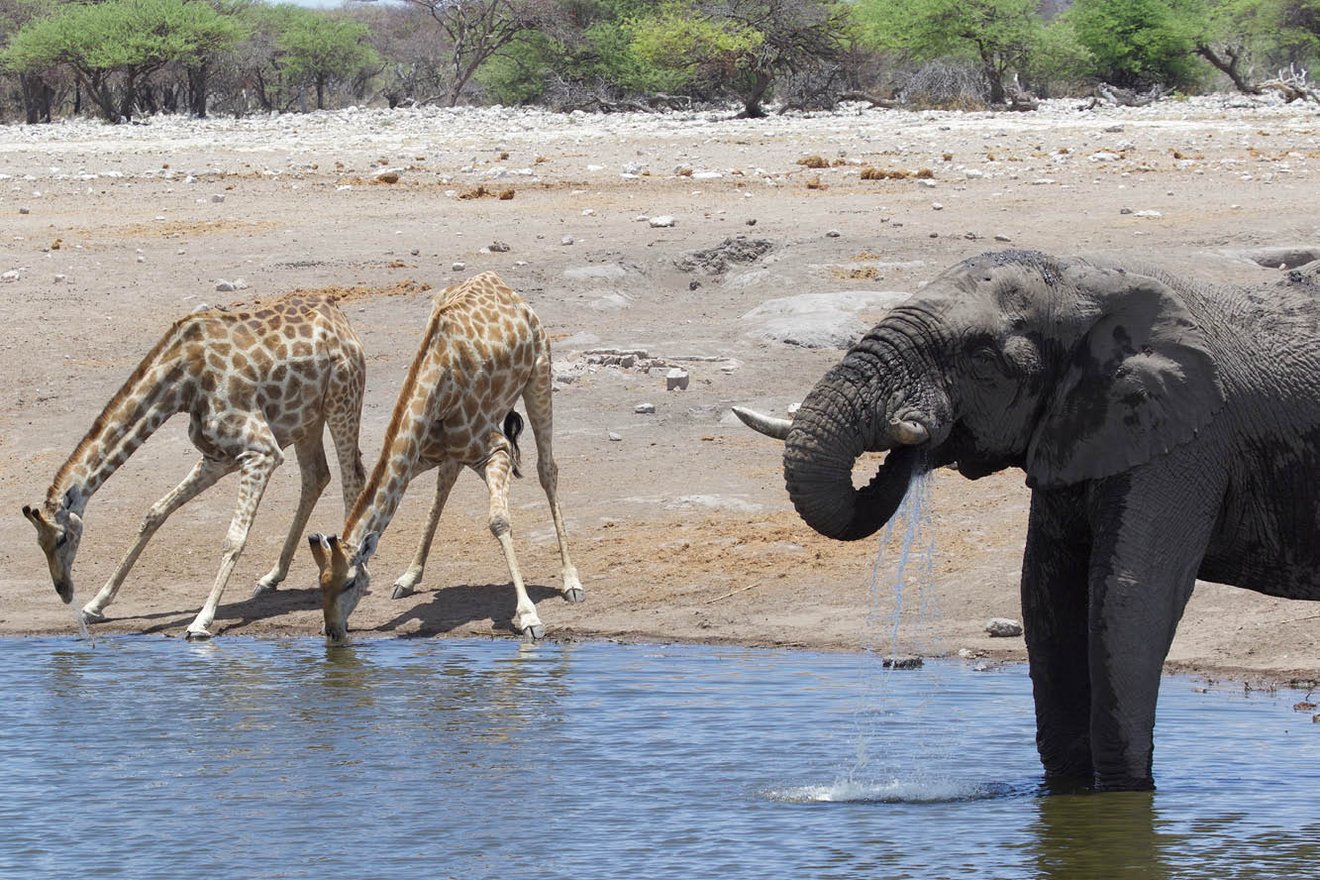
(681,529)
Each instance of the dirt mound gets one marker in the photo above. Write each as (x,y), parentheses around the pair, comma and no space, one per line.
(731,251)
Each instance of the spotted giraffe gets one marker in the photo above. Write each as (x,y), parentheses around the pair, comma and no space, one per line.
(252,383)
(482,349)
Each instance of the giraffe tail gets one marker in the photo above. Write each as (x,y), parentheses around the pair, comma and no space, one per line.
(513,425)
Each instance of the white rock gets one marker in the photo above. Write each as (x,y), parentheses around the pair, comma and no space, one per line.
(936,206)
(1003,627)
(664,221)
(225,286)
(644,408)
(566,240)
(927,183)
(11,275)
(615,437)
(458,266)
(218,198)
(676,380)
(60,279)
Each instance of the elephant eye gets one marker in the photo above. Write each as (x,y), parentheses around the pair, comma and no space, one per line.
(986,361)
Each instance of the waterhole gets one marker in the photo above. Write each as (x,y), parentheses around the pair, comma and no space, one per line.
(151,757)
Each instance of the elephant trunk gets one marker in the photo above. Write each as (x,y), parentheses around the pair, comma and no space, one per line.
(863,404)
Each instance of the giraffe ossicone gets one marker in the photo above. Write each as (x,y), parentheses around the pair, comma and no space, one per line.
(253,384)
(482,350)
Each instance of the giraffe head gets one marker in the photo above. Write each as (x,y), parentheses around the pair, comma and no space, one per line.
(344,580)
(59,529)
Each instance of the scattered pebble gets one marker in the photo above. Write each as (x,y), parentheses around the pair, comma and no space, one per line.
(225,286)
(218,198)
(497,247)
(676,380)
(664,221)
(458,266)
(1003,627)
(833,233)
(615,438)
(24,211)
(936,206)
(1003,238)
(60,279)
(750,221)
(566,240)
(645,409)
(11,275)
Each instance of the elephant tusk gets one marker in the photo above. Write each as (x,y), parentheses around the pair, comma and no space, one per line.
(908,433)
(768,425)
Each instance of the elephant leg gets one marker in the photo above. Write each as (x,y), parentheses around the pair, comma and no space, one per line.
(1151,528)
(1054,614)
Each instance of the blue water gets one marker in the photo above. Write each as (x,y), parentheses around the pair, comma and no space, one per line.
(149,757)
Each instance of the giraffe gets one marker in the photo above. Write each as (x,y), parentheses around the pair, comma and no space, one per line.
(482,349)
(253,383)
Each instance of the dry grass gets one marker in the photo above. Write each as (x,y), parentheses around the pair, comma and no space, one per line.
(870,173)
(405,287)
(480,192)
(855,273)
(814,162)
(815,183)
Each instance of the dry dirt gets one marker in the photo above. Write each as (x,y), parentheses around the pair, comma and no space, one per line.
(681,529)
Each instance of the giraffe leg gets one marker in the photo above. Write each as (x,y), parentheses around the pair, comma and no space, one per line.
(406,582)
(537,400)
(496,475)
(255,468)
(344,420)
(315,474)
(203,475)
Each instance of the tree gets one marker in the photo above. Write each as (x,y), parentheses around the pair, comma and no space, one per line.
(319,49)
(999,34)
(1139,42)
(742,45)
(477,29)
(112,46)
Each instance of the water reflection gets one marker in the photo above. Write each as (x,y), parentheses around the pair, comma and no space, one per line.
(1088,835)
(644,761)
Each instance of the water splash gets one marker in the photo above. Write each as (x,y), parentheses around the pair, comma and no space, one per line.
(895,791)
(911,530)
(84,633)
(917,543)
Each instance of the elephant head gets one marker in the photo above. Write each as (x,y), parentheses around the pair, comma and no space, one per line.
(1071,370)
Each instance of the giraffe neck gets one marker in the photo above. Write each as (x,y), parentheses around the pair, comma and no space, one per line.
(414,412)
(145,402)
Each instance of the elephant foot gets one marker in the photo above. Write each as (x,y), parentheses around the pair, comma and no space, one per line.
(90,615)
(402,591)
(197,633)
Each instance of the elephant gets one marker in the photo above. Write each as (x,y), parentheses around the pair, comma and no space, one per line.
(1169,430)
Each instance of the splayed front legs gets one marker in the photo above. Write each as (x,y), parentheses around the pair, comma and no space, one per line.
(407,582)
(202,477)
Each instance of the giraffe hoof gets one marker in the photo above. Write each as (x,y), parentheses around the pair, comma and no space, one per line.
(92,616)
(401,591)
(263,588)
(197,635)
(535,632)
(575,595)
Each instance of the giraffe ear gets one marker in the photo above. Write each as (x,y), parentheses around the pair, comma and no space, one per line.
(366,549)
(320,550)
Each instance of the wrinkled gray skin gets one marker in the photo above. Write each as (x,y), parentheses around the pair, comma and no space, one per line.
(1168,431)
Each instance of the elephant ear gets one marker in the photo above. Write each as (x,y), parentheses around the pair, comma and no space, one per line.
(1139,383)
